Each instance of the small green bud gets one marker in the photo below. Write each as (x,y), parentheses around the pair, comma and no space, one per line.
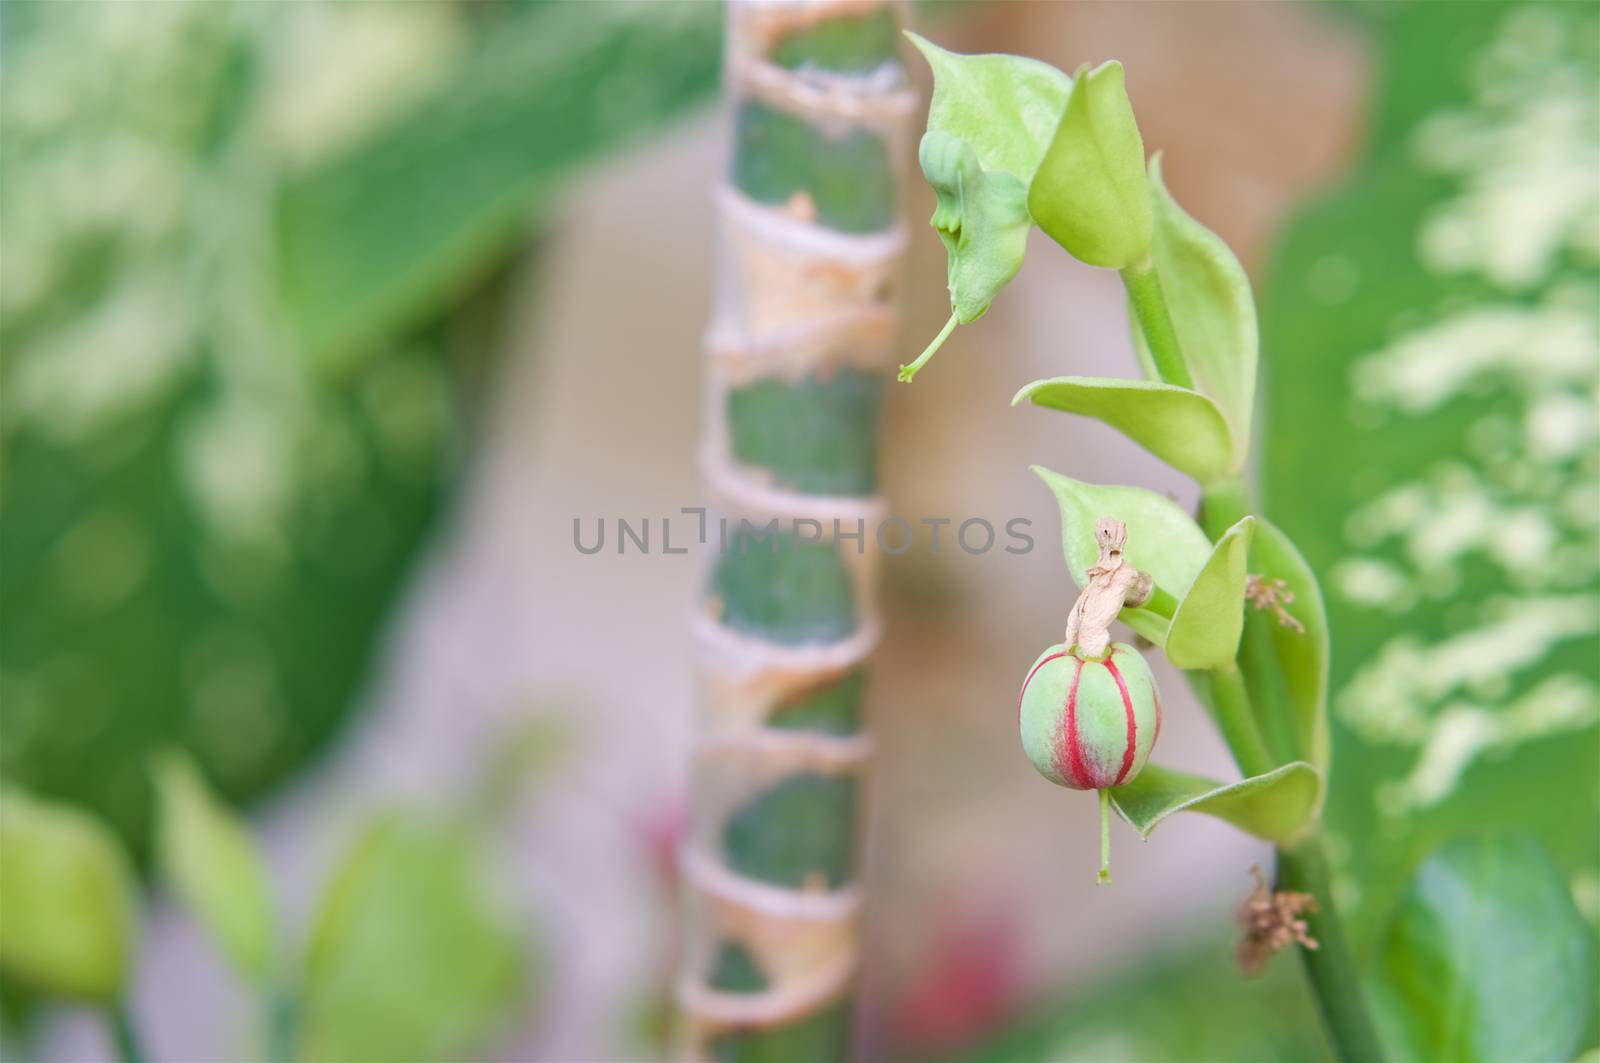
(1087,723)
(1089,193)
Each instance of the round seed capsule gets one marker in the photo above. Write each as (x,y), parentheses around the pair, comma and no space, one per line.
(1089,724)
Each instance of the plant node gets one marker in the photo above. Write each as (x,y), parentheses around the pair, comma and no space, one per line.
(1271,923)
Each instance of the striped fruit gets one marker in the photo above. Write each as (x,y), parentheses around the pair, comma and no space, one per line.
(1089,724)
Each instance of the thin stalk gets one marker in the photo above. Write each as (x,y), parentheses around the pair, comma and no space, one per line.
(124,1035)
(283,1019)
(1331,967)
(1105,837)
(1230,701)
(1150,307)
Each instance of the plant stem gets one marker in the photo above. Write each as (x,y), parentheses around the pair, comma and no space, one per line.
(1105,837)
(1150,307)
(283,1016)
(1231,703)
(1331,968)
(1335,981)
(124,1035)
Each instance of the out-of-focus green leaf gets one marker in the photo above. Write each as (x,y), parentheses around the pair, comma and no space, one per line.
(1205,630)
(210,859)
(1487,958)
(1005,107)
(410,956)
(1089,191)
(1163,540)
(385,235)
(1277,806)
(1178,1001)
(1213,311)
(1421,342)
(1181,427)
(68,921)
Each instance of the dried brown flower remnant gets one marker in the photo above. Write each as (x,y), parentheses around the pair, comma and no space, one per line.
(1271,923)
(1272,594)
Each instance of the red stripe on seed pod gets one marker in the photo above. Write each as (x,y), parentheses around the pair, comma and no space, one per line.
(1073,770)
(1025,682)
(1156,696)
(1133,727)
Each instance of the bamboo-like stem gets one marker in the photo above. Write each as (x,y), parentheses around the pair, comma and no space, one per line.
(799,355)
(1155,322)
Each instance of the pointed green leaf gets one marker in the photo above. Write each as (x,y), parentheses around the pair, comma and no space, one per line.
(1302,656)
(211,861)
(1205,629)
(1163,540)
(1181,427)
(411,956)
(67,898)
(1277,806)
(1213,311)
(982,220)
(1006,107)
(1089,193)
(1487,958)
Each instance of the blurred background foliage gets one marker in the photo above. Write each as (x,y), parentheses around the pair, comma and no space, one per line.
(255,262)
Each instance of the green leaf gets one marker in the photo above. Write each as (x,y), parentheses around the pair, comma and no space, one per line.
(1206,628)
(1004,106)
(410,958)
(1163,540)
(1213,311)
(67,895)
(386,234)
(1277,806)
(1302,656)
(1487,957)
(981,218)
(1181,427)
(212,862)
(1089,193)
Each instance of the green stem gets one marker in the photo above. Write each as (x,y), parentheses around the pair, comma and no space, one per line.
(124,1035)
(1335,980)
(1105,838)
(907,372)
(1331,967)
(283,1017)
(1150,307)
(1222,505)
(1230,701)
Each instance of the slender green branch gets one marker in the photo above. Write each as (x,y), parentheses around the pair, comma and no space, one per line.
(1105,837)
(1150,307)
(1230,701)
(1224,504)
(283,1020)
(1331,967)
(123,1034)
